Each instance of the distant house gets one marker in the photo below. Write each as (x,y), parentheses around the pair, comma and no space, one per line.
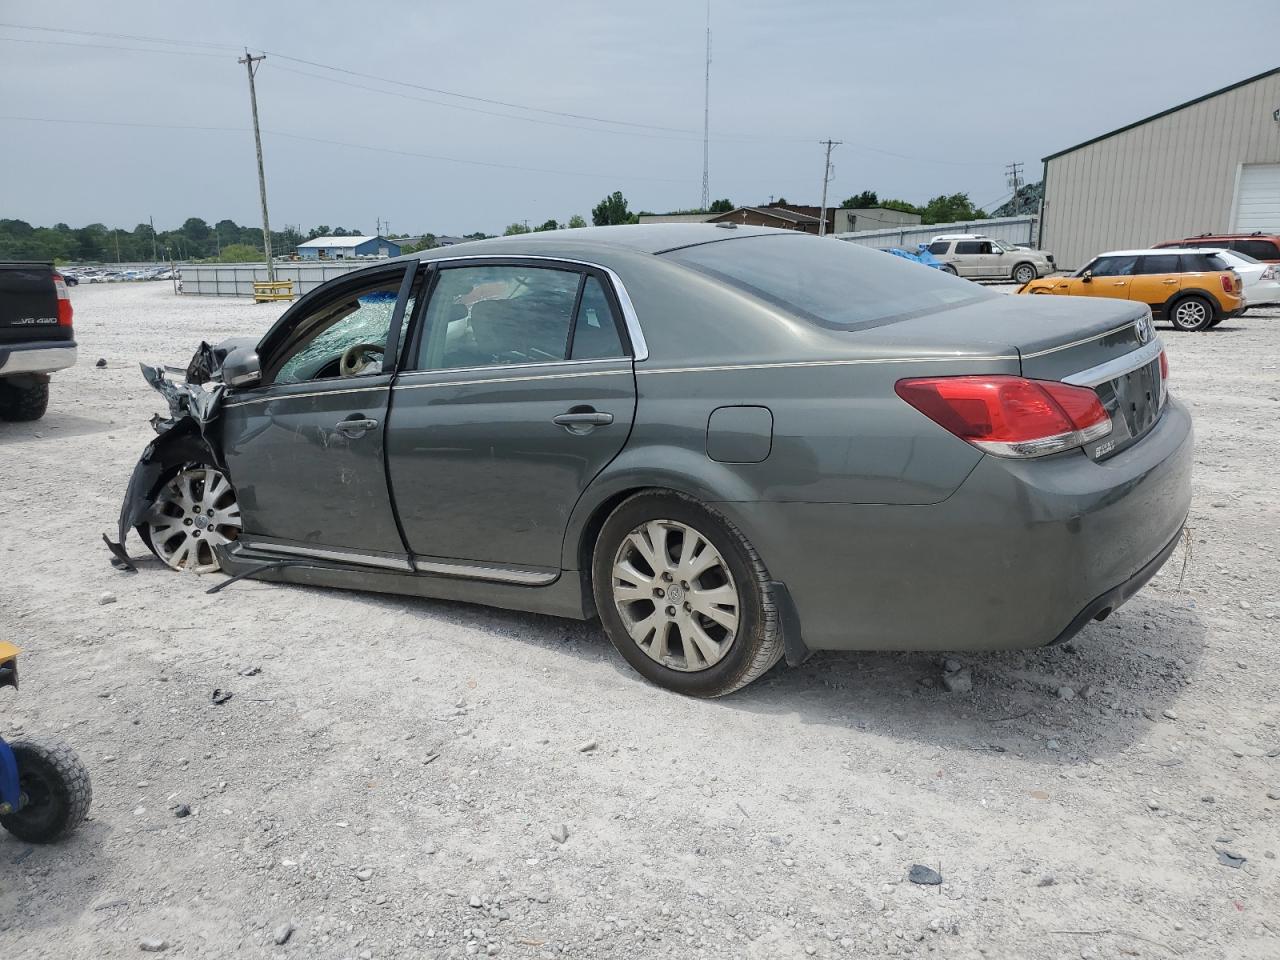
(675,217)
(345,248)
(444,240)
(771,216)
(873,218)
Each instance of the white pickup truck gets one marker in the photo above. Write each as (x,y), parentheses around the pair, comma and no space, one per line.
(36,337)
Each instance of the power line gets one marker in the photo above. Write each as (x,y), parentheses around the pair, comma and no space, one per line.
(107,46)
(856,145)
(354,146)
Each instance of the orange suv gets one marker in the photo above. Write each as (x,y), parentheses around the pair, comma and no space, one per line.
(1260,246)
(1192,289)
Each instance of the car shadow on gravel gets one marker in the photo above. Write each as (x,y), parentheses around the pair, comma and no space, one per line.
(1087,699)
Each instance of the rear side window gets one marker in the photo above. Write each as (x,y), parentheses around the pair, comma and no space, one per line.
(939,246)
(969,246)
(833,283)
(595,332)
(1262,249)
(1202,263)
(1162,264)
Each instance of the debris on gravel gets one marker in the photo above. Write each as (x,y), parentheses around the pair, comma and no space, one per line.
(926,876)
(106,597)
(959,682)
(280,936)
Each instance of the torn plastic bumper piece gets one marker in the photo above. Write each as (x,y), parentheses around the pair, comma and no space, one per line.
(188,435)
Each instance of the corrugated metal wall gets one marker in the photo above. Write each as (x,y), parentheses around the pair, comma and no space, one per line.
(1019,230)
(236,279)
(1169,178)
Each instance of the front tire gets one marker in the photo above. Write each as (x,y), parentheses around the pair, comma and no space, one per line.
(948,268)
(56,788)
(684,596)
(194,512)
(1192,314)
(1024,273)
(23,403)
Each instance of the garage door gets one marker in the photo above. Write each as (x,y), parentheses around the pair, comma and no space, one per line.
(1258,200)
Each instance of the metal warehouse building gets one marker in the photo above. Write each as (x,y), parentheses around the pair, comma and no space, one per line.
(1211,165)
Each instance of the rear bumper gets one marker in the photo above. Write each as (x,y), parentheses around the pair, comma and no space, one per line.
(1023,554)
(43,356)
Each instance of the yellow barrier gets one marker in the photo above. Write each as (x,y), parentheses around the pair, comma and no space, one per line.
(267,290)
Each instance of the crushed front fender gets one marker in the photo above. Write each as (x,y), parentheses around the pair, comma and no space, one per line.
(190,434)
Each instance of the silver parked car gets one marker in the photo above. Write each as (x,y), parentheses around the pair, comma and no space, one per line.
(984,258)
(732,445)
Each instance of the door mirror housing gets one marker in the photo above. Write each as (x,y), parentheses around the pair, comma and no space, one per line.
(1086,276)
(242,368)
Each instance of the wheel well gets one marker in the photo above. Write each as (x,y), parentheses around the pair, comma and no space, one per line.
(591,531)
(1024,263)
(1181,295)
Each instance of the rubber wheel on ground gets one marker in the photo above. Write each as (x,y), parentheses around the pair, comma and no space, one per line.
(1217,320)
(23,403)
(948,268)
(57,790)
(1192,313)
(1024,273)
(684,596)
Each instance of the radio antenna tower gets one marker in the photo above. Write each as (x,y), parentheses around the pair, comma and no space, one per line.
(706,122)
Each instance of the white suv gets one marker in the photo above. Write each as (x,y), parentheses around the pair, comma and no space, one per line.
(973,255)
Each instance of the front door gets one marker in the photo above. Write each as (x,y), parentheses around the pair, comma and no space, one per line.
(1108,277)
(520,392)
(305,448)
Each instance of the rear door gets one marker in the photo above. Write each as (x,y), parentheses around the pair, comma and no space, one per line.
(520,391)
(1156,278)
(968,259)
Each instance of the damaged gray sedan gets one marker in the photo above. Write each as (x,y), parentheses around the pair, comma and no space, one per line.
(732,445)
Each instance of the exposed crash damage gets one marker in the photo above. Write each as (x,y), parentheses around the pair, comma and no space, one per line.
(180,499)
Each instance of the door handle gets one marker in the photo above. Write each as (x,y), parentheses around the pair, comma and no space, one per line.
(1168,281)
(580,421)
(355,427)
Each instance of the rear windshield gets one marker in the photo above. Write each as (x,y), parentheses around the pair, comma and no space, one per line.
(830,282)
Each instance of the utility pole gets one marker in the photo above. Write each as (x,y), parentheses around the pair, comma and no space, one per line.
(249,62)
(826,179)
(1013,173)
(117,232)
(154,254)
(706,122)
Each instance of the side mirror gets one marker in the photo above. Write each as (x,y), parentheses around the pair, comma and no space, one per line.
(997,251)
(1087,276)
(242,368)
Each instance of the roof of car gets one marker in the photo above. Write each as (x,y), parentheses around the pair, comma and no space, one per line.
(1158,252)
(1256,235)
(642,238)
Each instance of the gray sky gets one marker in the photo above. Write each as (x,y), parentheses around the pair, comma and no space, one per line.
(929,98)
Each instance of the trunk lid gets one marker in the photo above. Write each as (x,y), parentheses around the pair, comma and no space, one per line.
(29,304)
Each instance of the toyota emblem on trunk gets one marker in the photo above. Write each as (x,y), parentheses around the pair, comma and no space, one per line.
(1143,328)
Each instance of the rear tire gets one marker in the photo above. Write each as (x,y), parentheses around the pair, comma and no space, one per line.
(23,403)
(1024,273)
(1191,314)
(56,785)
(948,268)
(652,608)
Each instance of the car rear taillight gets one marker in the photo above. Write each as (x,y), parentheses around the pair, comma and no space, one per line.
(1268,274)
(1010,416)
(1164,377)
(1227,285)
(64,300)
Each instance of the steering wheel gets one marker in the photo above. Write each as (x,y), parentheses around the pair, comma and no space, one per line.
(354,358)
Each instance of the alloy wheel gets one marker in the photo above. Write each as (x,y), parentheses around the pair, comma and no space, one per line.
(194,512)
(1024,274)
(676,595)
(1191,315)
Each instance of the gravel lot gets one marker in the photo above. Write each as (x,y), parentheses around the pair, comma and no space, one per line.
(395,777)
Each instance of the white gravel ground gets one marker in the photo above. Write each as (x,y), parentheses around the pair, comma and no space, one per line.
(390,782)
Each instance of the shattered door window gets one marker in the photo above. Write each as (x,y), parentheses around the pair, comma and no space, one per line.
(343,338)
